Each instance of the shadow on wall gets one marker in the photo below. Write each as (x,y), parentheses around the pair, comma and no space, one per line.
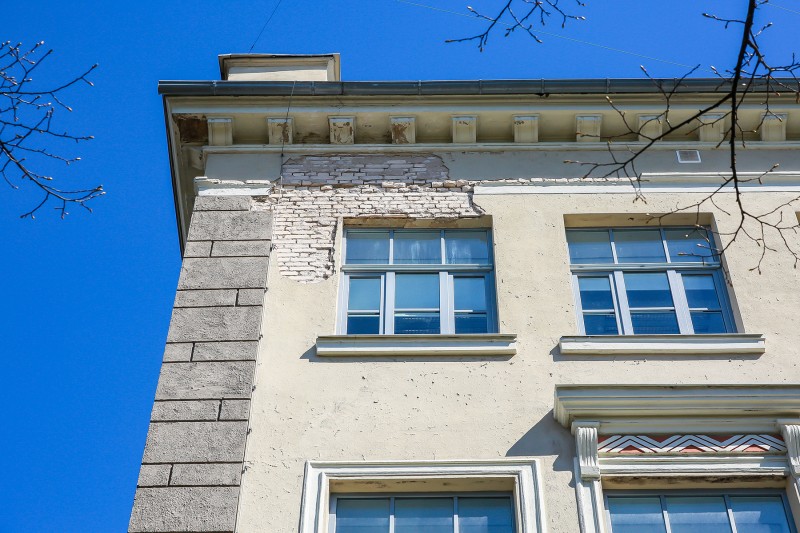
(311,356)
(547,437)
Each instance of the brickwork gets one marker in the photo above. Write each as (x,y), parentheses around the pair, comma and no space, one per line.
(193,458)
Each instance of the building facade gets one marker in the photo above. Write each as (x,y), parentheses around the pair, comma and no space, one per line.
(401,309)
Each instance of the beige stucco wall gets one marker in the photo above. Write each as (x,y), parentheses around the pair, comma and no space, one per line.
(306,408)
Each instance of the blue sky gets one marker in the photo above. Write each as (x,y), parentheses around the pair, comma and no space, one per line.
(87,300)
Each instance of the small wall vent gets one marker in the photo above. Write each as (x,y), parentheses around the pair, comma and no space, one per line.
(688,156)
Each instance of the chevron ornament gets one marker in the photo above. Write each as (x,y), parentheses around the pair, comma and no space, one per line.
(644,444)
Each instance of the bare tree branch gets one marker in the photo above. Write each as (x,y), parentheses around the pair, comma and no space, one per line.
(28,137)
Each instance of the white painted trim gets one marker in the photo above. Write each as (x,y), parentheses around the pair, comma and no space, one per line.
(643,345)
(229,187)
(523,472)
(702,465)
(492,344)
(667,409)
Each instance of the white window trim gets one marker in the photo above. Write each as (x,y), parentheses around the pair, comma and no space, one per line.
(642,345)
(674,271)
(447,272)
(489,344)
(524,473)
(590,410)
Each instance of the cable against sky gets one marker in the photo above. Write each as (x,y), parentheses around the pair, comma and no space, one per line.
(265,26)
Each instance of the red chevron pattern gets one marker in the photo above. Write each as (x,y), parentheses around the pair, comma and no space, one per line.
(640,444)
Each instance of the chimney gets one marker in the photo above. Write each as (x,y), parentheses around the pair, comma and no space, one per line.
(279,67)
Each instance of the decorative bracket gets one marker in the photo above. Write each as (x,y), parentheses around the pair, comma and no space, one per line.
(280,130)
(587,128)
(773,127)
(790,429)
(650,127)
(404,130)
(712,127)
(342,129)
(526,129)
(586,447)
(465,129)
(220,131)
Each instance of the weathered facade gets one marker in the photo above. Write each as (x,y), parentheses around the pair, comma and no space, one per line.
(397,295)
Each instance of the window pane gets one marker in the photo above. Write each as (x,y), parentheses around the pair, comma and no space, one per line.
(408,323)
(416,291)
(423,515)
(759,514)
(655,323)
(605,324)
(595,293)
(367,248)
(639,246)
(417,247)
(698,514)
(485,515)
(636,515)
(708,322)
(648,289)
(589,247)
(701,291)
(363,324)
(472,323)
(690,245)
(365,294)
(362,516)
(470,293)
(467,247)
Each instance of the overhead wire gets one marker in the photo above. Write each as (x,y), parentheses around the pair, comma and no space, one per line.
(557,36)
(264,27)
(781,7)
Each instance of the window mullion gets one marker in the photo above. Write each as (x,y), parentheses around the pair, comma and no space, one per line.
(665,514)
(576,294)
(388,308)
(731,521)
(681,303)
(446,304)
(622,299)
(391,514)
(456,525)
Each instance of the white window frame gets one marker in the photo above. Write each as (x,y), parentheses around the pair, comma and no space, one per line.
(674,270)
(522,475)
(447,273)
(392,496)
(725,494)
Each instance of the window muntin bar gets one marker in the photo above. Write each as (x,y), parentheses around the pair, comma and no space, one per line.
(435,281)
(646,269)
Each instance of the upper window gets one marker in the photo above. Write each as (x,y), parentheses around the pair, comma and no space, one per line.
(417,281)
(428,513)
(699,512)
(631,281)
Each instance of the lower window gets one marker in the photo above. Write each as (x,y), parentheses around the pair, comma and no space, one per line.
(440,513)
(701,512)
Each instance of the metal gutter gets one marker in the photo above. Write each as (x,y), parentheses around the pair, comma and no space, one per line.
(540,87)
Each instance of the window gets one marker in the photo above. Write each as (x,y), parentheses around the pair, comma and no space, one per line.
(637,281)
(736,512)
(417,281)
(429,513)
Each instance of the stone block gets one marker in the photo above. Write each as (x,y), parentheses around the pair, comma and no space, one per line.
(207,474)
(154,475)
(178,352)
(197,249)
(226,351)
(195,442)
(205,298)
(185,411)
(224,273)
(214,324)
(250,297)
(222,203)
(241,248)
(184,509)
(235,410)
(184,381)
(230,226)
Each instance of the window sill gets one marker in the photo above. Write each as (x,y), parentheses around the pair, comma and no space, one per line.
(493,344)
(717,344)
